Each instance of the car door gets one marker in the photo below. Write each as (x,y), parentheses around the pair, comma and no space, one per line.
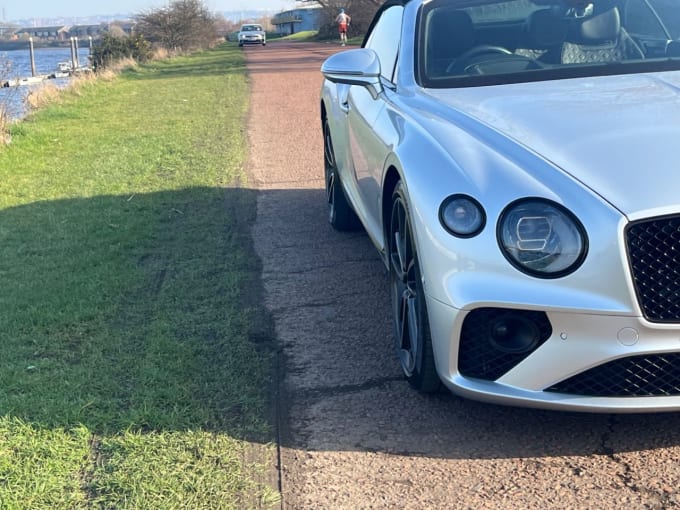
(367,130)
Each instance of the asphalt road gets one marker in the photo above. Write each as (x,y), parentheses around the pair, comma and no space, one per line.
(353,434)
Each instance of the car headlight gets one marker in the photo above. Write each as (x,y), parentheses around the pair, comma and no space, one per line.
(542,238)
(462,216)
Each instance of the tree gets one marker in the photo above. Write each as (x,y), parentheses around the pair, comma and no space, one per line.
(184,25)
(361,11)
(223,26)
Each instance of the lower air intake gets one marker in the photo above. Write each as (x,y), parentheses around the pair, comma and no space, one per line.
(636,376)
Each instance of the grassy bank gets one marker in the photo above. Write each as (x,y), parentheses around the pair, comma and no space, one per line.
(136,362)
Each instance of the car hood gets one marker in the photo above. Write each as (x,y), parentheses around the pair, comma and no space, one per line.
(618,135)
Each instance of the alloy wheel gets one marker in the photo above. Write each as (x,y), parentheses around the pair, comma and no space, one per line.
(329,167)
(405,290)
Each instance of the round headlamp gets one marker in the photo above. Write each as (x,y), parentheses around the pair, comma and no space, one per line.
(462,216)
(542,238)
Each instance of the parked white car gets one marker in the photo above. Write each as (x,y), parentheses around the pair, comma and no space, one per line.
(517,165)
(252,34)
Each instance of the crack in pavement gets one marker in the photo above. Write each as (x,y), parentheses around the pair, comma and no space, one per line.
(627,477)
(312,394)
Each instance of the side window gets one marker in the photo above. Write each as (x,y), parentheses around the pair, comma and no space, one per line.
(384,40)
(640,21)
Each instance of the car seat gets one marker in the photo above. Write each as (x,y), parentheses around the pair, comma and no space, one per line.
(599,38)
(546,32)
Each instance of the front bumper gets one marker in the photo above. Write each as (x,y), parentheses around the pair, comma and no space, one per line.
(252,40)
(585,362)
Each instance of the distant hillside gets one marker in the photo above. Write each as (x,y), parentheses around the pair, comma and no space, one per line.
(250,14)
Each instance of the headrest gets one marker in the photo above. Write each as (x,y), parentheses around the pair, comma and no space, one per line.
(546,28)
(450,33)
(600,28)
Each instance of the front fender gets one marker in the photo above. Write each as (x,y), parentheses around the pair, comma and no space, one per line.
(438,158)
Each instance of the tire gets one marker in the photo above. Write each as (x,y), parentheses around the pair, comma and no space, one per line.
(240,45)
(409,311)
(340,213)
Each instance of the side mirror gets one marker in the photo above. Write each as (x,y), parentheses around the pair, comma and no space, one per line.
(354,67)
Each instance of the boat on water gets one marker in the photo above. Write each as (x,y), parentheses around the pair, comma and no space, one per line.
(64,70)
(17,82)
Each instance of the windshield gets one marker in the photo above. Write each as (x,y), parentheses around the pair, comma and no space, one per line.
(251,28)
(467,43)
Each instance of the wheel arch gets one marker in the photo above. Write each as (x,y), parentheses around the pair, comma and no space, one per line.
(392,177)
(324,112)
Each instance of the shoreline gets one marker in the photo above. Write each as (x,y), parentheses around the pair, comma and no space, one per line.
(23,45)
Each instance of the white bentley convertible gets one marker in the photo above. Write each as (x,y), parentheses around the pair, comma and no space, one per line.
(517,165)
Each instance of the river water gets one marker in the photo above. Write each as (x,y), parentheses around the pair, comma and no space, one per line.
(17,64)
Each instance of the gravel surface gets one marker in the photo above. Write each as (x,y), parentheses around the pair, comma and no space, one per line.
(353,434)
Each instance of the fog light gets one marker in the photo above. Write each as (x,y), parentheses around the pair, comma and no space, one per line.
(462,216)
(514,334)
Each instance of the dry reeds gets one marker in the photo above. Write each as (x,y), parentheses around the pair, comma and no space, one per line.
(160,53)
(80,80)
(5,121)
(47,92)
(116,67)
(41,95)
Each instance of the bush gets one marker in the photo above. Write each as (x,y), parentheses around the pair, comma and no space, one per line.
(112,48)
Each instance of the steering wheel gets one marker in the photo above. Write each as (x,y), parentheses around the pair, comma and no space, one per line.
(461,62)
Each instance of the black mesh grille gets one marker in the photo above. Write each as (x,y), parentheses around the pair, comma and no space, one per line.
(654,252)
(480,357)
(648,375)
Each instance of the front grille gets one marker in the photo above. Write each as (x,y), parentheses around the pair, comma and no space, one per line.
(654,254)
(636,376)
(479,356)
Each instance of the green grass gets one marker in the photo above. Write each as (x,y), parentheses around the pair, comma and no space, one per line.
(334,39)
(136,367)
(304,36)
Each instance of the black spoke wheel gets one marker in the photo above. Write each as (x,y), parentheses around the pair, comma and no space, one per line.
(340,213)
(411,327)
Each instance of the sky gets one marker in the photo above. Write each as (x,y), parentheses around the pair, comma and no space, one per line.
(16,9)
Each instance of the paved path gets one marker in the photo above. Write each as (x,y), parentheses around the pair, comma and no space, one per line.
(353,434)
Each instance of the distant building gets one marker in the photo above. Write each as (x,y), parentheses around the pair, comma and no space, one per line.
(63,33)
(301,19)
(85,31)
(56,33)
(7,31)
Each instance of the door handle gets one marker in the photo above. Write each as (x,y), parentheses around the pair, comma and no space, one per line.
(343,99)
